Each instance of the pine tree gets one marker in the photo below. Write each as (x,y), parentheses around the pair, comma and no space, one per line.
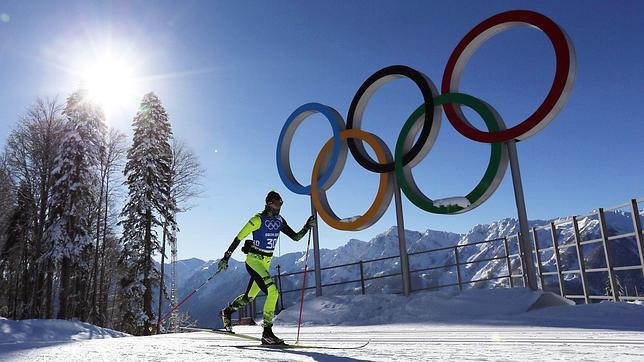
(149,204)
(608,290)
(69,229)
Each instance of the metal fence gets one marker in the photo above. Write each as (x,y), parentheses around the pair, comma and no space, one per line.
(562,235)
(608,242)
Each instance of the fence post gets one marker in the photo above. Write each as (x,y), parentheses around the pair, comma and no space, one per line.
(279,285)
(521,263)
(582,261)
(536,251)
(555,245)
(507,259)
(608,253)
(637,225)
(362,277)
(458,269)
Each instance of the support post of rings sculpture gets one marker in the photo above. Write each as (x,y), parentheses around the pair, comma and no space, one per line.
(395,171)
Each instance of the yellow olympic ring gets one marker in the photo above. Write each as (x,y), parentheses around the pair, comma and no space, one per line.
(385,186)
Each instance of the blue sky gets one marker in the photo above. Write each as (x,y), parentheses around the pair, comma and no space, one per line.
(230,73)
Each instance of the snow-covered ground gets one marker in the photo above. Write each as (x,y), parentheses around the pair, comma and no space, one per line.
(54,331)
(501,324)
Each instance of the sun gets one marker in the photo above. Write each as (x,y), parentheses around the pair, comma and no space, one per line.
(111,83)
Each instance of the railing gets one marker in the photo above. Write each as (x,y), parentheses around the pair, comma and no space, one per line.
(604,240)
(509,262)
(363,279)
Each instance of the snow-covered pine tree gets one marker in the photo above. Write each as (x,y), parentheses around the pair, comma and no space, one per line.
(149,204)
(608,290)
(69,229)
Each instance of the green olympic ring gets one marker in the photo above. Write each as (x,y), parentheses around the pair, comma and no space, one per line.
(493,174)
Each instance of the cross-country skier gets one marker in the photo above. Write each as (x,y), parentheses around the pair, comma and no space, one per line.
(265,227)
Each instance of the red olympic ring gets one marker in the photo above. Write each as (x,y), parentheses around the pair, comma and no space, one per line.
(551,105)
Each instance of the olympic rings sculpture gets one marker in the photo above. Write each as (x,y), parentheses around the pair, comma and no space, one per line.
(425,125)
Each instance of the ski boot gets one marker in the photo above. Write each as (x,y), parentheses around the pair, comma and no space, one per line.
(269,338)
(226,313)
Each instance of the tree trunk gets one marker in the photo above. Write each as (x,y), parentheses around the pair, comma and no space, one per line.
(111,312)
(64,288)
(49,290)
(147,294)
(82,293)
(17,275)
(40,273)
(25,289)
(161,286)
(38,277)
(102,293)
(94,313)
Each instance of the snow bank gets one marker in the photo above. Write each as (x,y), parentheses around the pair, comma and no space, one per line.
(418,307)
(604,315)
(510,306)
(50,330)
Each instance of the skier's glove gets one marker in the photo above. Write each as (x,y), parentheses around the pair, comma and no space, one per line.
(223,263)
(310,223)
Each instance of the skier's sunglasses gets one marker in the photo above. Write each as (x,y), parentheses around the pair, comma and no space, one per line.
(277,203)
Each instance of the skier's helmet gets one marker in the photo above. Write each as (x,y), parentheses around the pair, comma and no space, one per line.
(273,198)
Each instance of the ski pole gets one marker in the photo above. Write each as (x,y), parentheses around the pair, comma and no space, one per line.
(186,298)
(303,287)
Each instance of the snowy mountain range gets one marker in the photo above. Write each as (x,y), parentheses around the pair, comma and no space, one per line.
(205,305)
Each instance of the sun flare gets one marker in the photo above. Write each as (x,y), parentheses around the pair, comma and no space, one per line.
(111,83)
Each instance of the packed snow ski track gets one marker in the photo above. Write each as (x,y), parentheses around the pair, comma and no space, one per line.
(410,342)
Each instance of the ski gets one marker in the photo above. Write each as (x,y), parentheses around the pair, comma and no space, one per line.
(270,346)
(222,331)
(301,346)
